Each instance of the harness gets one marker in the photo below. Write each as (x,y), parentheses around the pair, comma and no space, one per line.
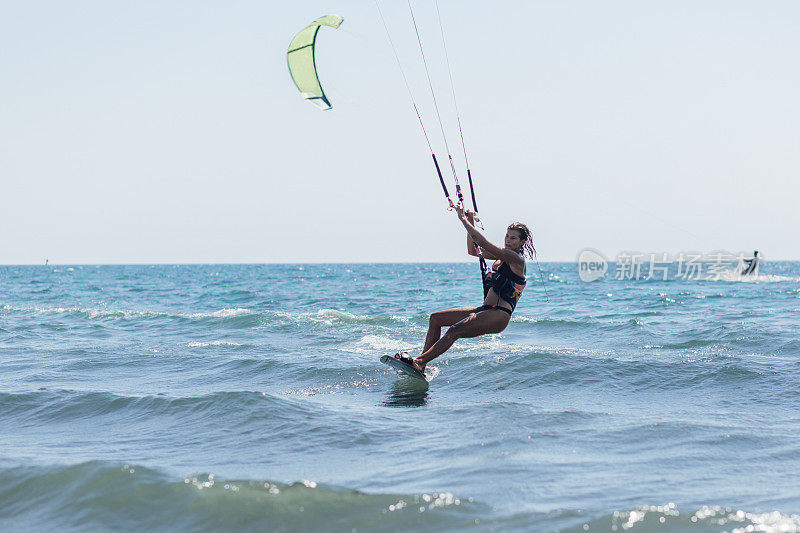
(506,284)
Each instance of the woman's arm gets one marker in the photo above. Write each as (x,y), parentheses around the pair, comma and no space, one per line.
(490,251)
(471,242)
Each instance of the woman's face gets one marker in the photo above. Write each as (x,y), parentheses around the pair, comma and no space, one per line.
(513,241)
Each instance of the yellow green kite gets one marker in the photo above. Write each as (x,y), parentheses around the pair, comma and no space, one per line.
(302,66)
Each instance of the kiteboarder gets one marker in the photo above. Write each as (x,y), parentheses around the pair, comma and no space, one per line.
(752,265)
(506,281)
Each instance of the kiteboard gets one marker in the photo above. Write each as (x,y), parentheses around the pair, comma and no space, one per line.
(403,367)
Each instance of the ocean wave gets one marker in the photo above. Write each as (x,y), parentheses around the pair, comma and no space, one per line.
(87,312)
(629,314)
(59,406)
(232,316)
(341,386)
(789,347)
(105,313)
(245,317)
(700,359)
(112,495)
(332,320)
(694,343)
(551,322)
(706,519)
(530,366)
(372,344)
(332,317)
(223,313)
(235,317)
(764,278)
(100,495)
(198,344)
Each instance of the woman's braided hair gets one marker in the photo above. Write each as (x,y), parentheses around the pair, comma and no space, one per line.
(527,239)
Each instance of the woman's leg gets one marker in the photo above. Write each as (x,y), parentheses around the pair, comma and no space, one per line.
(475,324)
(439,319)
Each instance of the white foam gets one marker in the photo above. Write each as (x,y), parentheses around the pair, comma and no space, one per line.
(223,313)
(431,372)
(102,312)
(323,316)
(196,344)
(329,316)
(769,278)
(91,312)
(736,276)
(369,344)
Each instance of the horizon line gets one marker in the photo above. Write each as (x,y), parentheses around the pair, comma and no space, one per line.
(306,263)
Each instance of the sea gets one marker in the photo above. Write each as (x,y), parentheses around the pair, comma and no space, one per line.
(251,398)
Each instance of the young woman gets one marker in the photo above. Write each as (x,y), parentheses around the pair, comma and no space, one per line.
(507,280)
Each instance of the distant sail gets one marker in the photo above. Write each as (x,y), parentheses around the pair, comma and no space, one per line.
(302,65)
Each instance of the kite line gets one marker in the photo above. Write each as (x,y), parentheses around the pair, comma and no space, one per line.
(486,282)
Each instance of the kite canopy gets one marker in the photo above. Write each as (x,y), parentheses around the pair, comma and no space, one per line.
(301,60)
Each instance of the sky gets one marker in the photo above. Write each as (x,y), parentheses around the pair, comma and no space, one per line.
(171,132)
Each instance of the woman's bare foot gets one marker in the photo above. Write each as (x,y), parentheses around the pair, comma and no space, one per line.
(412,361)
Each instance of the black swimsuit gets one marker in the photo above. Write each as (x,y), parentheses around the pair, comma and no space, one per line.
(506,284)
(487,307)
